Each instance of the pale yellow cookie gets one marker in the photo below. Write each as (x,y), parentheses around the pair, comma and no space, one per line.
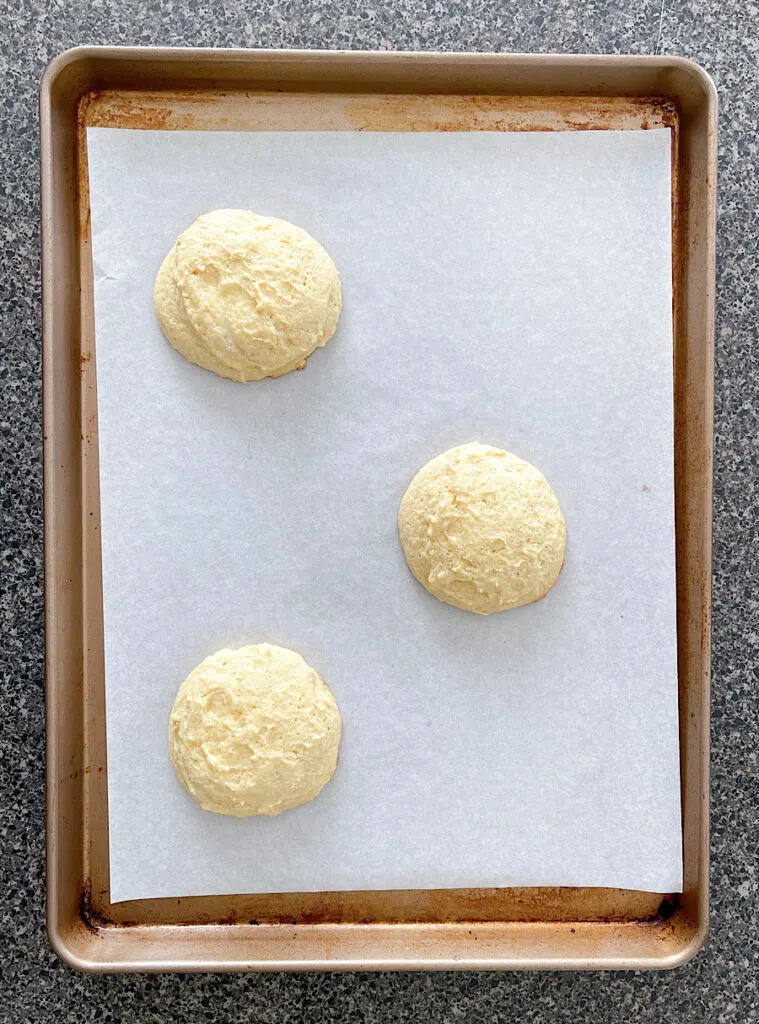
(482,530)
(254,731)
(247,296)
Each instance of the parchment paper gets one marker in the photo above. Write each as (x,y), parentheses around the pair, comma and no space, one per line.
(508,288)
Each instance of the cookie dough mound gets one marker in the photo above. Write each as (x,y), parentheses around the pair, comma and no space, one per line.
(247,296)
(254,731)
(482,530)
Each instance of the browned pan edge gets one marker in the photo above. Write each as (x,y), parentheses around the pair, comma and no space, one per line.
(241,90)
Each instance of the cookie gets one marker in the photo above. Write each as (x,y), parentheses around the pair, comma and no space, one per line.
(246,296)
(482,530)
(254,731)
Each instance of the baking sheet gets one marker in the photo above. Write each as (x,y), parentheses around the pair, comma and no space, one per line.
(510,288)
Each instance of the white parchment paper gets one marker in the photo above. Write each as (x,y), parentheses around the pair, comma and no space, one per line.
(508,288)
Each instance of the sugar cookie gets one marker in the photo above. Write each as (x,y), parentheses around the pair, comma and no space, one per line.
(247,296)
(254,731)
(482,530)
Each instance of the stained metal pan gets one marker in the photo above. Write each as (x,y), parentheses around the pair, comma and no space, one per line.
(297,91)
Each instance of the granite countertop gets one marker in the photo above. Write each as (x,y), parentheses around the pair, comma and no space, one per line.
(721,983)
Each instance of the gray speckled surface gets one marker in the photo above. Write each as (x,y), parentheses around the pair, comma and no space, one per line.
(720,985)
